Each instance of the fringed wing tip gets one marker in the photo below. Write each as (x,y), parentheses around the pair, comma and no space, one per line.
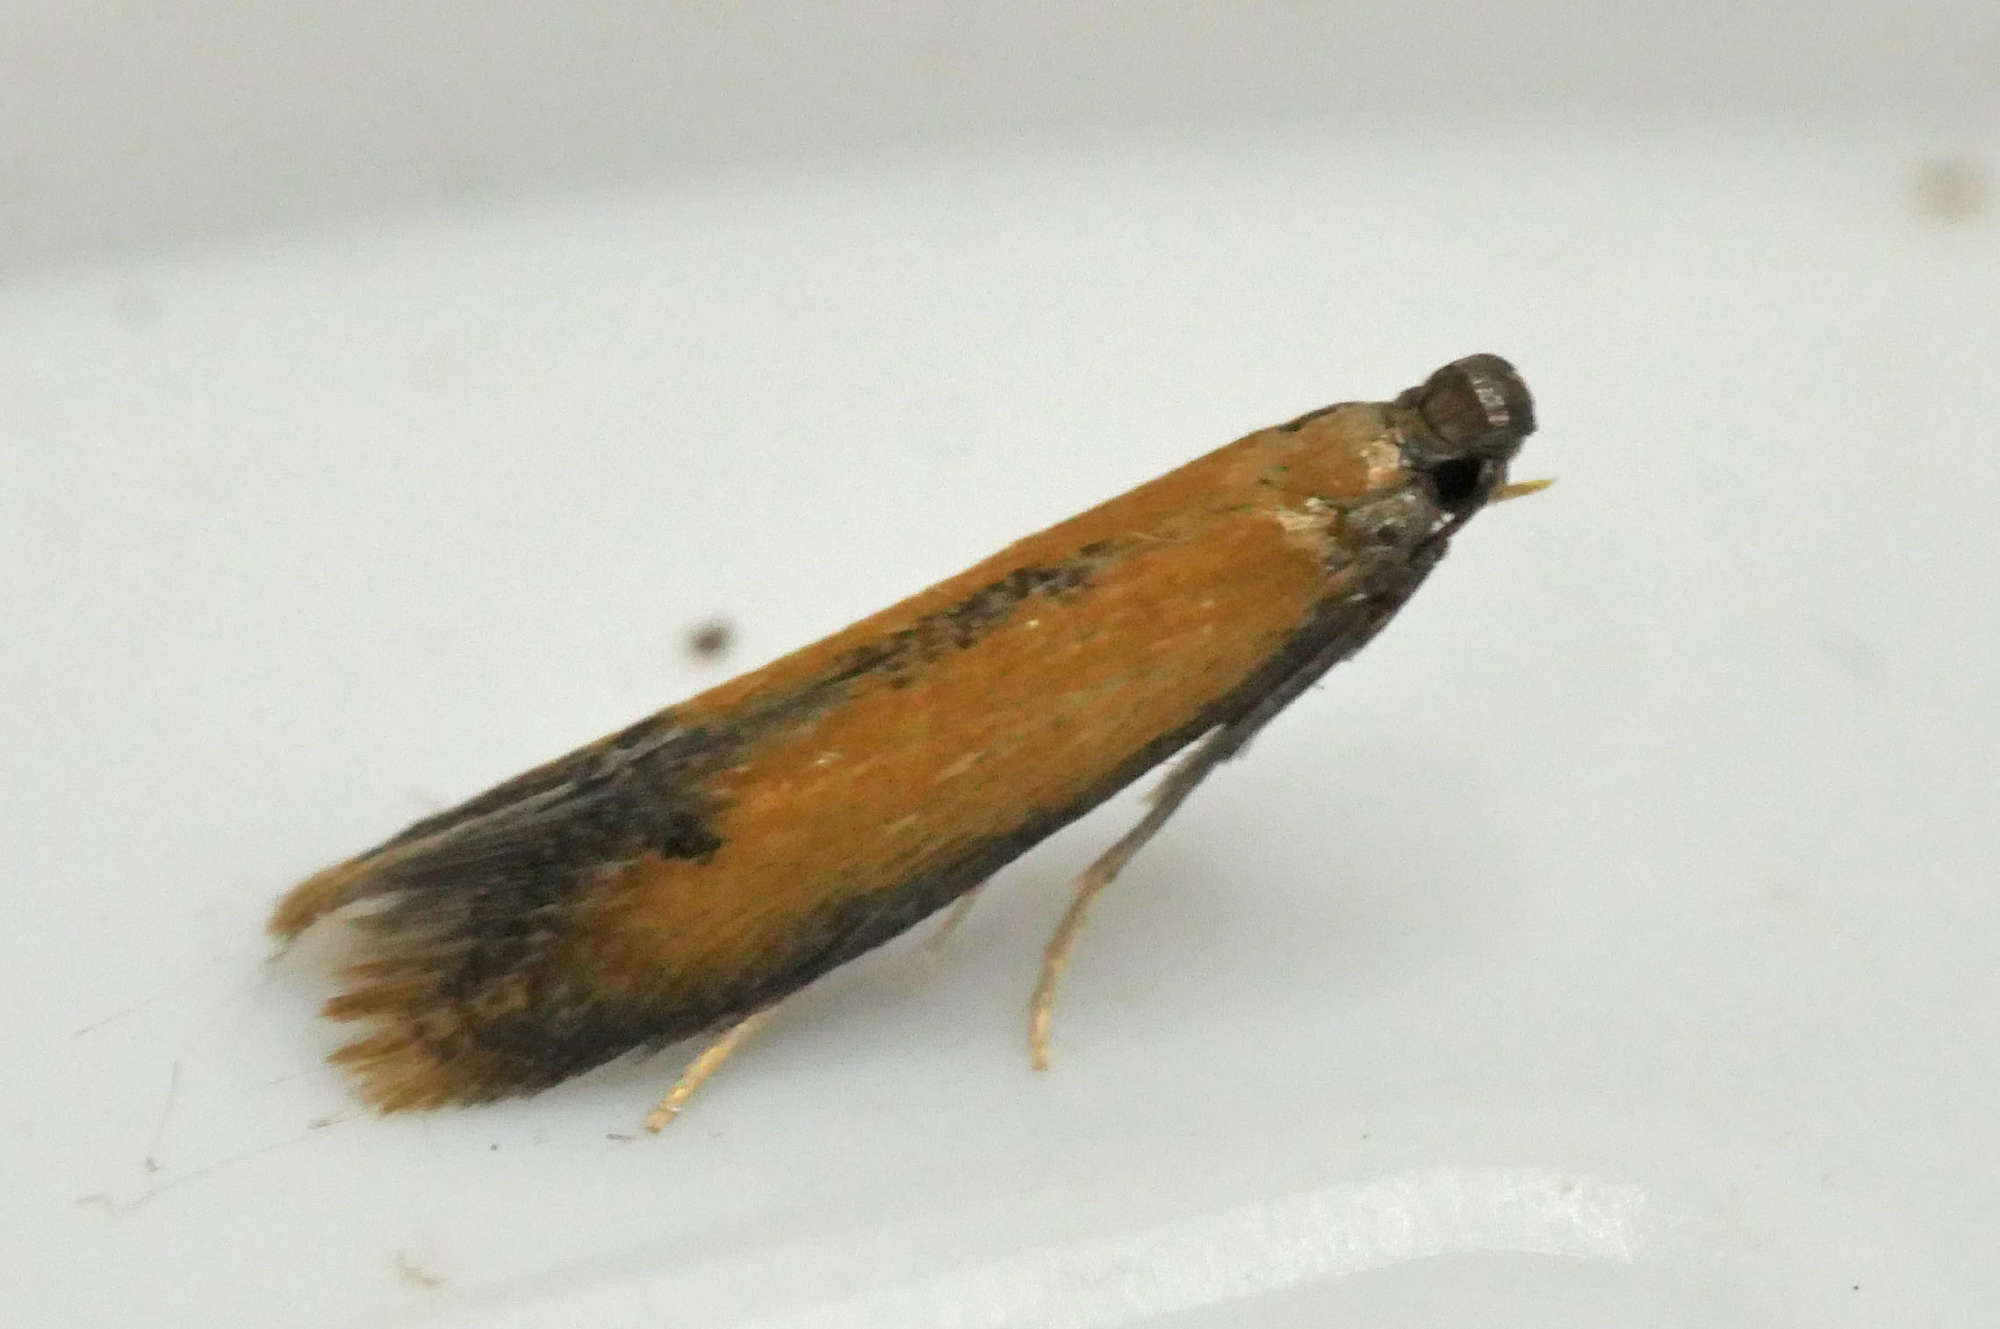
(396,1070)
(418,1055)
(422,1049)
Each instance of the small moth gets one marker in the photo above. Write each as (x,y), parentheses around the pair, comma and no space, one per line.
(683,875)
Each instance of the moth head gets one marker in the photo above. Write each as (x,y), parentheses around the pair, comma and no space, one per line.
(1462,426)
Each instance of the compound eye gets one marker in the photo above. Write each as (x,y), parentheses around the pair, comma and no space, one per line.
(1478,403)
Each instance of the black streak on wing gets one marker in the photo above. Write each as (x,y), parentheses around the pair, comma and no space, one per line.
(584,769)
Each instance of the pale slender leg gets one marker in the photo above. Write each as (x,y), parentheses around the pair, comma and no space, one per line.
(959,909)
(1222,743)
(704,1066)
(1218,747)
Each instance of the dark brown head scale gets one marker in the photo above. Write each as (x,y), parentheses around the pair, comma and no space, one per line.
(1477,407)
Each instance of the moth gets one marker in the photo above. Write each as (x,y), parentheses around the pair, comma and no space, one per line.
(683,875)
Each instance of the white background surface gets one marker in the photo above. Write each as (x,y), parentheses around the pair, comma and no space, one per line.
(1612,943)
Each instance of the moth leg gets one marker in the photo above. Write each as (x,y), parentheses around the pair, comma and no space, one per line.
(1217,748)
(959,909)
(703,1066)
(1222,743)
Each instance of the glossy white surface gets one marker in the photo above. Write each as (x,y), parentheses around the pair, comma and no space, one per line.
(1612,943)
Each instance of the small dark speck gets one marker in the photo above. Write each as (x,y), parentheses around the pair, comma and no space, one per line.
(1951,189)
(623,1139)
(711,640)
(1855,1288)
(493,1148)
